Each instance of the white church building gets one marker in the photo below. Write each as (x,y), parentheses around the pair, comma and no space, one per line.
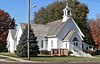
(61,34)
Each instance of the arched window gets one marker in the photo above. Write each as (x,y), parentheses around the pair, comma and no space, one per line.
(68,12)
(74,43)
(75,39)
(86,48)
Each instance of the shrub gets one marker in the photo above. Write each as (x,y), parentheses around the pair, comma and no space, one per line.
(89,51)
(5,50)
(1,47)
(44,52)
(97,52)
(69,52)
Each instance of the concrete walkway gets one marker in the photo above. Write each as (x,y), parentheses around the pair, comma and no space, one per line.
(13,58)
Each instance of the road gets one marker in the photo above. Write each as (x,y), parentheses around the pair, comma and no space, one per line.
(50,63)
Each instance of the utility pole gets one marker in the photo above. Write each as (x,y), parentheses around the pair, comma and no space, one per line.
(28,44)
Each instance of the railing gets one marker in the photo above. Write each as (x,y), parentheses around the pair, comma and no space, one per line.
(78,52)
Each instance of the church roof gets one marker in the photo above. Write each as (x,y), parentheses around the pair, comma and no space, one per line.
(69,35)
(49,30)
(55,27)
(23,25)
(40,30)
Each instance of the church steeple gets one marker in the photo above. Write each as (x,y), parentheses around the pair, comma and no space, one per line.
(66,13)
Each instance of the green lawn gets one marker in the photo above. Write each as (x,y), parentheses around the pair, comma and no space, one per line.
(63,59)
(55,58)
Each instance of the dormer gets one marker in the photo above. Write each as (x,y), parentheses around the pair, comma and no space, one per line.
(66,13)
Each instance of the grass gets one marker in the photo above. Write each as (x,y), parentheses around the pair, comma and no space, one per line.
(63,59)
(49,58)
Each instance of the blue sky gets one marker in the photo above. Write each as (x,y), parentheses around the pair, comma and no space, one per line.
(18,8)
(94,7)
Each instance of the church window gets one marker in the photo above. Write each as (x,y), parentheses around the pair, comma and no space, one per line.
(76,44)
(65,12)
(68,12)
(82,46)
(86,48)
(75,39)
(66,45)
(41,43)
(51,43)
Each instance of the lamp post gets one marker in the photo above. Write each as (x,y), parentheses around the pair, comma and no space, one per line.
(28,50)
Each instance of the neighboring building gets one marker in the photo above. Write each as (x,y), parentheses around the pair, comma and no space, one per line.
(58,36)
(11,40)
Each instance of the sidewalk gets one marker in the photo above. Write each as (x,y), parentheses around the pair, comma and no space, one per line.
(17,59)
(13,58)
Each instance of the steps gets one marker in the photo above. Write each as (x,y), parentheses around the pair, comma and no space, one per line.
(78,53)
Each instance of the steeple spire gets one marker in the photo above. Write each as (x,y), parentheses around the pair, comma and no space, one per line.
(66,12)
(66,2)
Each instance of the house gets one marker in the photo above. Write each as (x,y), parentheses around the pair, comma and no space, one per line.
(11,40)
(58,37)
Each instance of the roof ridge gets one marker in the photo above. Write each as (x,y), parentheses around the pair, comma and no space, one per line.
(53,21)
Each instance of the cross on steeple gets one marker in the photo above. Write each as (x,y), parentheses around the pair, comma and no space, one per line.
(66,2)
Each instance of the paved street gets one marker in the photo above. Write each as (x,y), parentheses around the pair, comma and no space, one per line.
(50,63)
(31,63)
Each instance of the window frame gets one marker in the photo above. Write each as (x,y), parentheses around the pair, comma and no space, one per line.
(51,43)
(42,44)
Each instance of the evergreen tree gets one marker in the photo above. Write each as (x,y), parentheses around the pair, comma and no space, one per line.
(2,47)
(54,12)
(22,46)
